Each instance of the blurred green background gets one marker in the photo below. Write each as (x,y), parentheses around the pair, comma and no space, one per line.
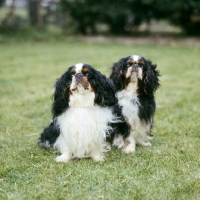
(109,17)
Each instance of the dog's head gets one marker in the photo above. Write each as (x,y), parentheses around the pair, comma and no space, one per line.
(82,79)
(137,74)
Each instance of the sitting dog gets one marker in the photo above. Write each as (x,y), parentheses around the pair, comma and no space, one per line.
(136,80)
(82,112)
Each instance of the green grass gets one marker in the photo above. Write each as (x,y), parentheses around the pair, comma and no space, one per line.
(170,169)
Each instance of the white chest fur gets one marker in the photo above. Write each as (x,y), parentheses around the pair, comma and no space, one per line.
(139,130)
(83,127)
(129,102)
(82,99)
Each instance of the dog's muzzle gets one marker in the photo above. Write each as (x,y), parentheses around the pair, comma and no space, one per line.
(78,77)
(79,80)
(135,67)
(134,71)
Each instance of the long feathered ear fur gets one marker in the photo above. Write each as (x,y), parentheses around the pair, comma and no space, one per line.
(61,95)
(104,90)
(150,82)
(117,75)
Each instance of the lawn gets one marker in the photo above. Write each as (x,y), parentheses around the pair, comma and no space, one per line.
(170,169)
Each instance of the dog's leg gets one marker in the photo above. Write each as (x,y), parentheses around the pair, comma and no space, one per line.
(146,144)
(98,157)
(150,137)
(97,154)
(143,143)
(144,139)
(107,146)
(118,141)
(66,154)
(130,144)
(65,157)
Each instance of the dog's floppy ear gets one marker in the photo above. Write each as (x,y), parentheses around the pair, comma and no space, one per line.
(61,96)
(117,74)
(104,90)
(150,82)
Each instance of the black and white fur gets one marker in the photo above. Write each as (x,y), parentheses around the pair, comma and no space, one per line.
(136,80)
(81,114)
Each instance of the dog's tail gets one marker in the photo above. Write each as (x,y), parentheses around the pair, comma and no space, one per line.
(49,136)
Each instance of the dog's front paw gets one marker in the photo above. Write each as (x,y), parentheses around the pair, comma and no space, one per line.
(106,147)
(129,145)
(130,148)
(98,158)
(118,141)
(146,144)
(63,158)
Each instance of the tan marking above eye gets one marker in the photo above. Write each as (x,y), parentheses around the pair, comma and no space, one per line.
(73,71)
(130,61)
(141,62)
(84,70)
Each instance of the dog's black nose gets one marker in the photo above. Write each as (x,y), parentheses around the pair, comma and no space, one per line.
(78,77)
(135,67)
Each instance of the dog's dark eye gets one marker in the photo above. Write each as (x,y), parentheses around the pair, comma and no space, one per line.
(87,75)
(72,74)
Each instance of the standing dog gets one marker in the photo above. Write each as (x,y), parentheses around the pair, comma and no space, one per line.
(136,80)
(82,113)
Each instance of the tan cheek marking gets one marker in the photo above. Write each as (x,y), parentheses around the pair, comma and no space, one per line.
(124,72)
(92,87)
(67,91)
(129,72)
(85,82)
(140,73)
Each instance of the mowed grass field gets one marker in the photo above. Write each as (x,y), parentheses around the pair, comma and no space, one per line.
(170,169)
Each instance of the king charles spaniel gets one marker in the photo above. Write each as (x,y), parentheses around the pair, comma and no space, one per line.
(136,80)
(82,112)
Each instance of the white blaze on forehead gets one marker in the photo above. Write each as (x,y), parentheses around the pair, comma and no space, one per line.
(135,57)
(79,67)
